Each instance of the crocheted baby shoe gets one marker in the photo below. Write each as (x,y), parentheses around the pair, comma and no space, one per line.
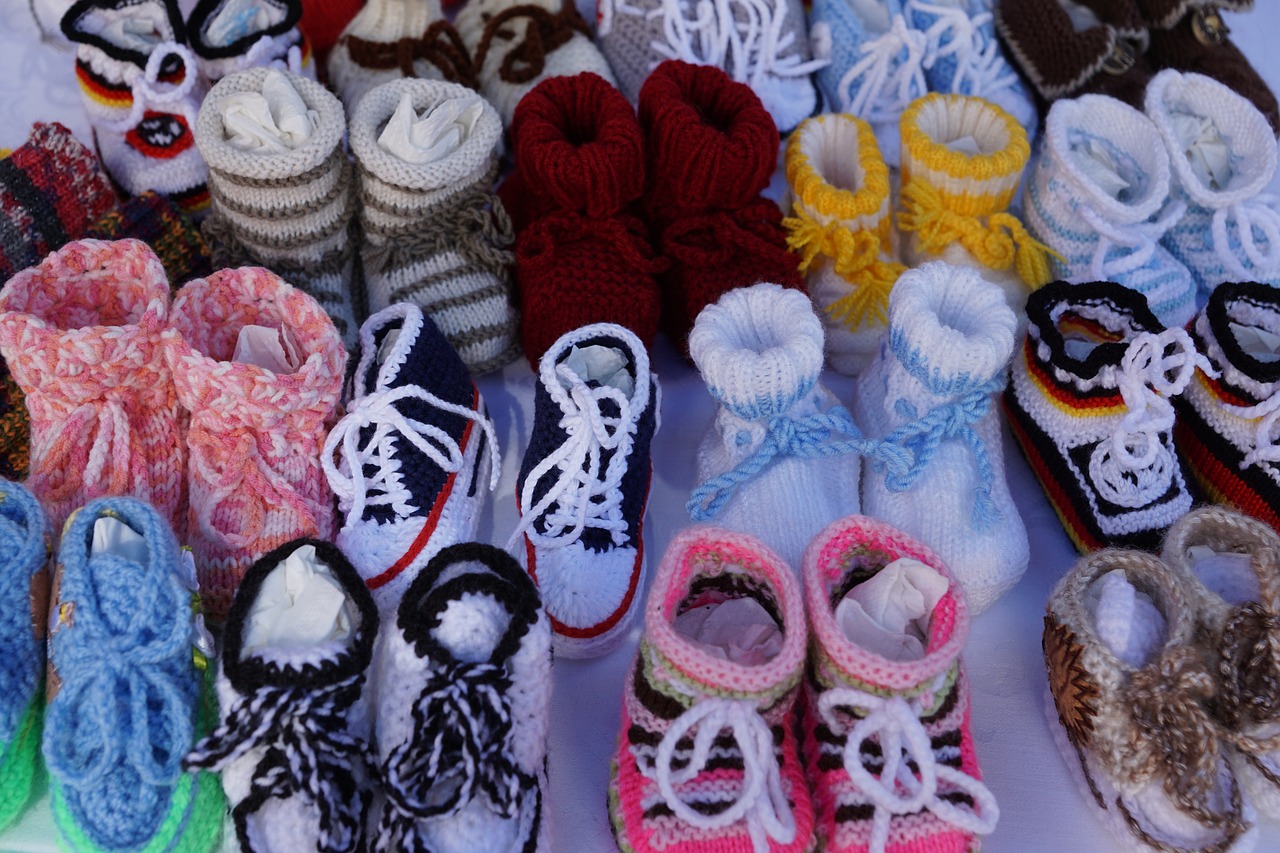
(584,485)
(1226,423)
(1130,706)
(679,782)
(779,460)
(161,224)
(296,717)
(840,227)
(962,159)
(141,90)
(418,454)
(712,149)
(323,22)
(1089,404)
(24,609)
(888,745)
(282,191)
(232,35)
(517,45)
(259,366)
(1222,156)
(464,704)
(1099,197)
(125,688)
(763,45)
(434,233)
(390,39)
(51,191)
(582,257)
(928,394)
(81,335)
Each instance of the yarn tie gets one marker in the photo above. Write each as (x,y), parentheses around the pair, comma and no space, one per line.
(150,93)
(895,725)
(306,751)
(100,431)
(545,33)
(1001,242)
(885,90)
(1140,239)
(472,225)
(439,44)
(980,69)
(710,239)
(1249,675)
(1258,212)
(761,801)
(1267,413)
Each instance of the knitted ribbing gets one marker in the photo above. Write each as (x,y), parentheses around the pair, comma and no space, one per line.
(291,210)
(161,224)
(435,234)
(81,335)
(255,435)
(675,682)
(930,392)
(224,44)
(840,227)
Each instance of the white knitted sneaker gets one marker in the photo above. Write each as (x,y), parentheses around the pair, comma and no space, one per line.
(1223,156)
(931,392)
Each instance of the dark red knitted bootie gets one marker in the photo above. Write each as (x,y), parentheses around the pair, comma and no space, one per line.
(582,256)
(712,148)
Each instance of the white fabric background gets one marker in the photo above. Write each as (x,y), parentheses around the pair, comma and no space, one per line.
(1041,809)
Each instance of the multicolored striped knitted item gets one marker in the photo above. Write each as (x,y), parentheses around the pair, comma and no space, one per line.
(868,717)
(161,224)
(707,757)
(841,228)
(81,335)
(1089,404)
(255,435)
(233,35)
(15,428)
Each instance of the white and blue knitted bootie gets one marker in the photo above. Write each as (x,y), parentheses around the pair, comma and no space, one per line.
(1098,196)
(930,393)
(1222,155)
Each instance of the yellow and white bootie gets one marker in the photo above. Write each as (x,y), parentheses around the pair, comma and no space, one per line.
(841,228)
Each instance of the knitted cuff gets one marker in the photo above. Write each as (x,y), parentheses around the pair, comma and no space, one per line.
(161,224)
(226,43)
(832,188)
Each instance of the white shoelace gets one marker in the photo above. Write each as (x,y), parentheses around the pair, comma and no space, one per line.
(256,55)
(150,94)
(895,723)
(761,801)
(1265,448)
(885,90)
(980,69)
(1140,238)
(1258,212)
(378,410)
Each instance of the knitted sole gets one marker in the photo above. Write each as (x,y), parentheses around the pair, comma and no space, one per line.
(18,763)
(597,645)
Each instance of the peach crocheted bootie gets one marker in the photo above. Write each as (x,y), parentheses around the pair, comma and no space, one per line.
(259,365)
(81,335)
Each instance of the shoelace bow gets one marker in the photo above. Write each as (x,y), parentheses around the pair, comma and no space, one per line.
(472,225)
(103,428)
(761,801)
(545,33)
(980,69)
(150,94)
(883,89)
(624,234)
(709,239)
(1139,238)
(590,433)
(895,724)
(1258,212)
(462,728)
(439,44)
(378,410)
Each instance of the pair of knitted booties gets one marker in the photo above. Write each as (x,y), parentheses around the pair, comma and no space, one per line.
(1163,202)
(1162,673)
(423,728)
(719,750)
(625,221)
(962,161)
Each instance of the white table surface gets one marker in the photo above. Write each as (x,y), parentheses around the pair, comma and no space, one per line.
(1041,809)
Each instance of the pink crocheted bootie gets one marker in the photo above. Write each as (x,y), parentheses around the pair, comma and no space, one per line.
(707,759)
(259,365)
(888,697)
(81,335)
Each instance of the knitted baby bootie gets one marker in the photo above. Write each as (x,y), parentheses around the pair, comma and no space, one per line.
(582,257)
(780,459)
(417,453)
(464,705)
(259,366)
(281,183)
(962,159)
(125,688)
(81,335)
(841,228)
(1089,404)
(161,224)
(1130,706)
(141,95)
(690,687)
(293,746)
(24,618)
(323,22)
(1222,155)
(516,45)
(434,233)
(1099,197)
(712,149)
(929,396)
(233,35)
(888,744)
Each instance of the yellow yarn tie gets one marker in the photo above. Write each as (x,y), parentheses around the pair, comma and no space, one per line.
(1001,243)
(856,256)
